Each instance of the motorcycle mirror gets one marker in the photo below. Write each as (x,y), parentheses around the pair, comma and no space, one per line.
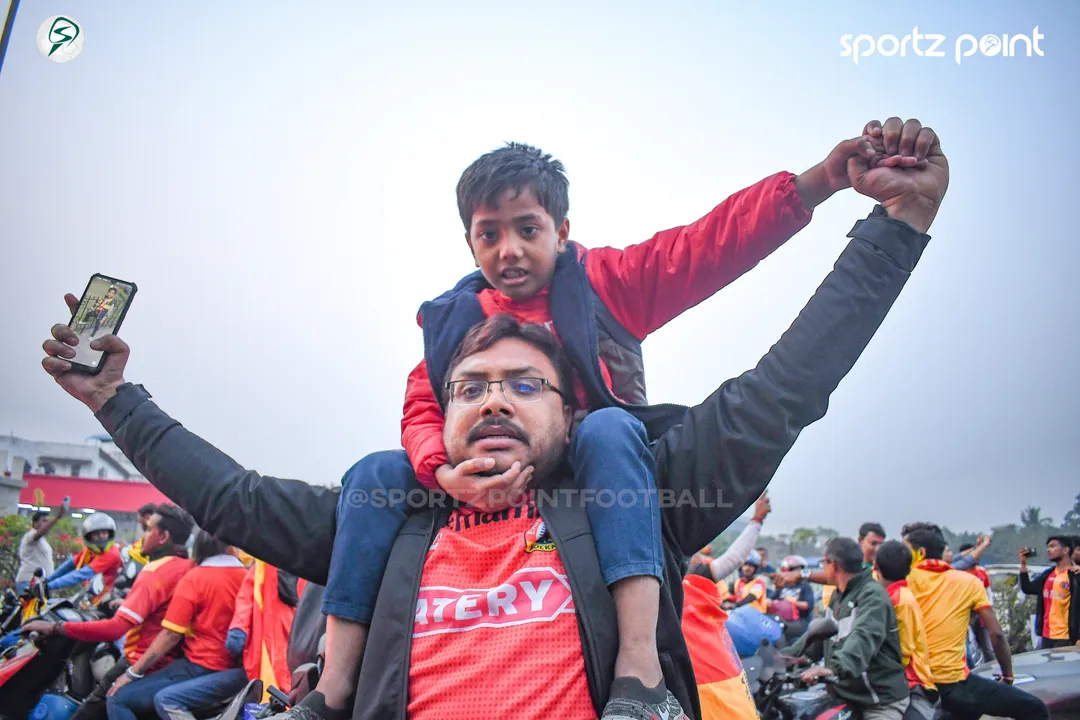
(820,629)
(97,585)
(131,570)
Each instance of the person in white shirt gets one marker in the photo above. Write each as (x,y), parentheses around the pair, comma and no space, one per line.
(34,550)
(742,546)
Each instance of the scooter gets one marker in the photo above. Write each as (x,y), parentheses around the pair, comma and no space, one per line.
(780,694)
(56,671)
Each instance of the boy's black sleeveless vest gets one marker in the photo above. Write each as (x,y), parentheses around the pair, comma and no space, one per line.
(586,329)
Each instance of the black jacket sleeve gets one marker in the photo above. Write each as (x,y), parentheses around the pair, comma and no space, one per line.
(727,449)
(286,523)
(1030,587)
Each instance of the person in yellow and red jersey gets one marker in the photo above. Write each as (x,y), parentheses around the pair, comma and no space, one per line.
(259,631)
(143,609)
(99,555)
(750,588)
(721,682)
(136,551)
(1057,615)
(947,597)
(197,620)
(892,564)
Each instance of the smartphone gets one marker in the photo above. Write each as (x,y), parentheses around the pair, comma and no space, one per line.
(1029,552)
(101,311)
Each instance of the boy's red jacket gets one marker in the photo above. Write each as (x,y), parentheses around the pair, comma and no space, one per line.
(644,286)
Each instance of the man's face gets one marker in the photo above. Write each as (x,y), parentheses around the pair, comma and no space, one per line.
(516,245)
(1055,550)
(144,522)
(532,433)
(1076,555)
(110,293)
(829,568)
(98,537)
(40,523)
(748,571)
(947,556)
(154,537)
(870,545)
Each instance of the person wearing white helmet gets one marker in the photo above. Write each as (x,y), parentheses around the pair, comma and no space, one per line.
(99,555)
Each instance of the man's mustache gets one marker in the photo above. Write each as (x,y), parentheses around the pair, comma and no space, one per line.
(497,422)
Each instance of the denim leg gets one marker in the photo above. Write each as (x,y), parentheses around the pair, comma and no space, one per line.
(610,455)
(179,701)
(137,697)
(371,510)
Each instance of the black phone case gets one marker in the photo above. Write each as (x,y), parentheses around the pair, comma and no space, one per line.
(119,321)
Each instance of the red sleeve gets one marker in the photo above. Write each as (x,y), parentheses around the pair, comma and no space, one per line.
(106,561)
(100,630)
(184,605)
(422,427)
(647,285)
(245,601)
(146,596)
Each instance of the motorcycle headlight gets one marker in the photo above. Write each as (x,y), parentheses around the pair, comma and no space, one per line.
(68,615)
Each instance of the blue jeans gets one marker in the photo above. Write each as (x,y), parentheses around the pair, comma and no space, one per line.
(137,697)
(177,702)
(610,456)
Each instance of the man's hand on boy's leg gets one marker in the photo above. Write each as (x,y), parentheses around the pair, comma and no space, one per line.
(467,483)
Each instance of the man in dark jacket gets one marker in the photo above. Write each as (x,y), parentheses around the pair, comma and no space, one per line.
(864,656)
(712,464)
(1057,612)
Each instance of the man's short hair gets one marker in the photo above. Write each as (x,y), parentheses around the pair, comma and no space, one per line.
(846,553)
(703,569)
(926,537)
(871,527)
(497,328)
(1066,540)
(38,516)
(966,546)
(175,521)
(894,560)
(147,509)
(516,167)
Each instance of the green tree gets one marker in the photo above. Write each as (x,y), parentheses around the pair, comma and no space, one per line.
(1032,517)
(1072,517)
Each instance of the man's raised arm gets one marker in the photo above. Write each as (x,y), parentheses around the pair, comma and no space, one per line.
(286,523)
(728,448)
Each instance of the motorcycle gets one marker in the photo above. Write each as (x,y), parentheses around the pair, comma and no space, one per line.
(779,692)
(56,671)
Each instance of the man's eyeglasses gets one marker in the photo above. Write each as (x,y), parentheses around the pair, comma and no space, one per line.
(515,390)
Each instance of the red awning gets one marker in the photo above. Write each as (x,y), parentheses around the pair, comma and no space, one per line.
(92,493)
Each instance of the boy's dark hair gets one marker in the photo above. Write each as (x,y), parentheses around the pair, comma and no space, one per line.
(846,553)
(966,546)
(704,570)
(893,560)
(175,521)
(37,516)
(207,546)
(871,527)
(926,537)
(1066,540)
(500,327)
(516,167)
(147,509)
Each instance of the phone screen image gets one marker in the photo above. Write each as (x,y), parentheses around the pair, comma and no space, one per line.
(100,311)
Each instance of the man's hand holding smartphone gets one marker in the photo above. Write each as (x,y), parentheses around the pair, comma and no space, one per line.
(92,390)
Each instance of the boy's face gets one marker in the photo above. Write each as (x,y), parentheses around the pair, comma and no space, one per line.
(516,244)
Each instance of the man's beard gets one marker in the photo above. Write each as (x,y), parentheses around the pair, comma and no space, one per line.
(546,452)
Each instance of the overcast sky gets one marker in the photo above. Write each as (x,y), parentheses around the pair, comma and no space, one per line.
(278,179)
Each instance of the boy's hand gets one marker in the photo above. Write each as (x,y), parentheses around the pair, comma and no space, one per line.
(487,493)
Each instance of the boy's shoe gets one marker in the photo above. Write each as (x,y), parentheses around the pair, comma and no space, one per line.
(631,700)
(313,707)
